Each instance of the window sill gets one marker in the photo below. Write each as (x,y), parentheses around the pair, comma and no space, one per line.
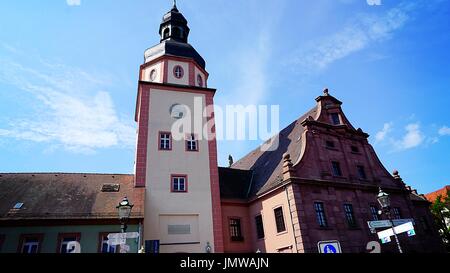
(282,233)
(331,148)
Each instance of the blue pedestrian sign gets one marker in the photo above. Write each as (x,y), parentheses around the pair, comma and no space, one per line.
(329,247)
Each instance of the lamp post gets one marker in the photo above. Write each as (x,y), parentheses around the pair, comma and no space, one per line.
(124,209)
(385,203)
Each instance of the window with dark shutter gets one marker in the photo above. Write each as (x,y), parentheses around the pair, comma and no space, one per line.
(335,119)
(361,172)
(336,168)
(259,227)
(279,219)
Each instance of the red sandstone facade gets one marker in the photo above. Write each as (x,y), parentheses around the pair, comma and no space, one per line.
(301,172)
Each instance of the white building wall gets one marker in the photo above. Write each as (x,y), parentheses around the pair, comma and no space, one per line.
(163,207)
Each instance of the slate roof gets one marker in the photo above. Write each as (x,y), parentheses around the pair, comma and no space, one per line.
(66,196)
(234,184)
(267,165)
(175,48)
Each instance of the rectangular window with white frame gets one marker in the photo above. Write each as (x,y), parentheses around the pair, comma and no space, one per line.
(31,244)
(179,183)
(105,247)
(165,141)
(67,242)
(191,143)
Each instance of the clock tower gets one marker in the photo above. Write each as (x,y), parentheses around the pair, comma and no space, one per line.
(180,174)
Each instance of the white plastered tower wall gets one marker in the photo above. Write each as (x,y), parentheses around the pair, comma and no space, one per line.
(174,74)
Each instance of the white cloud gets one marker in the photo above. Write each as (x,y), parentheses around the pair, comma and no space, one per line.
(360,33)
(73,2)
(413,137)
(444,131)
(70,108)
(381,135)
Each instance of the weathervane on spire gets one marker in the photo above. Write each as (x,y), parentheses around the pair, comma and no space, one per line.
(175,3)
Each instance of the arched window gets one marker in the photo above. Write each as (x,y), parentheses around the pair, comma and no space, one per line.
(166,33)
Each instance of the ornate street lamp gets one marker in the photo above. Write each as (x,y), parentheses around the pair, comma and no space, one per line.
(385,203)
(124,209)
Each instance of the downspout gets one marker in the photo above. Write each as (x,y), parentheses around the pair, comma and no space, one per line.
(292,220)
(140,236)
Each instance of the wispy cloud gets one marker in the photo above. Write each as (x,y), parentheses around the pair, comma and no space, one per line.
(359,33)
(413,138)
(444,131)
(73,2)
(71,110)
(381,135)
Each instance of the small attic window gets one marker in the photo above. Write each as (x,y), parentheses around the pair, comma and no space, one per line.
(110,188)
(18,205)
(335,119)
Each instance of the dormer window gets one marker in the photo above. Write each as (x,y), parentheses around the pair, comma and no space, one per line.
(335,119)
(18,206)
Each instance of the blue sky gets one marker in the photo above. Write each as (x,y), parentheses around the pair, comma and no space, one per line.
(68,75)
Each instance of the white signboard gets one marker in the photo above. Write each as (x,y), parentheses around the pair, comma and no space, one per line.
(387,223)
(128,235)
(398,229)
(117,241)
(329,247)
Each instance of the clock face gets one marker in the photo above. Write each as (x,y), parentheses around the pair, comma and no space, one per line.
(177,111)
